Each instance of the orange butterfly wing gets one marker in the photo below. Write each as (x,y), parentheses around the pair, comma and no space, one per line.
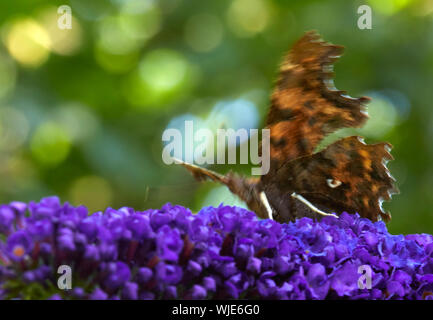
(305,106)
(349,175)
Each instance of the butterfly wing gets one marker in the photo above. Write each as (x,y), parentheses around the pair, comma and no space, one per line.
(202,174)
(305,106)
(348,175)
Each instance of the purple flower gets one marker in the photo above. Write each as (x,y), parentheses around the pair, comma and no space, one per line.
(91,252)
(223,252)
(227,268)
(345,279)
(167,273)
(284,291)
(283,265)
(159,219)
(231,290)
(395,289)
(40,274)
(41,229)
(98,294)
(170,292)
(139,225)
(144,275)
(78,293)
(147,295)
(209,284)
(65,239)
(18,245)
(198,292)
(89,227)
(7,217)
(130,291)
(169,243)
(318,280)
(193,268)
(267,287)
(118,274)
(19,207)
(254,265)
(48,207)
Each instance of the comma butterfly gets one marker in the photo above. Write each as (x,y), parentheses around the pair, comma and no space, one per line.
(348,175)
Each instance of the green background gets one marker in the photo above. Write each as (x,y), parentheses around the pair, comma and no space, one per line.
(82,111)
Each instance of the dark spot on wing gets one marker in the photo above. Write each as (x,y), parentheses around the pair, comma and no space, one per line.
(312,121)
(355,168)
(309,105)
(278,142)
(277,115)
(303,145)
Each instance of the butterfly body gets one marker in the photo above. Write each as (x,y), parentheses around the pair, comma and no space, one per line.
(348,175)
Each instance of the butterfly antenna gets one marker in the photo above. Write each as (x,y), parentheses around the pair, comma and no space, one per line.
(201,173)
(146,194)
(311,206)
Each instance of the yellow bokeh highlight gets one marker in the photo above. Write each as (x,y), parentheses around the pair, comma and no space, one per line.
(28,42)
(50,144)
(91,191)
(162,76)
(162,70)
(249,17)
(388,7)
(424,8)
(63,41)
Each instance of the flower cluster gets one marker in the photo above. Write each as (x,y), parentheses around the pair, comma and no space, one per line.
(223,252)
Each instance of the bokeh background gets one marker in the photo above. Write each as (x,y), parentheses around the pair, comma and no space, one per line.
(82,111)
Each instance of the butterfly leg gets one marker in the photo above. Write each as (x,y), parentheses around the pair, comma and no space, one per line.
(311,206)
(266,204)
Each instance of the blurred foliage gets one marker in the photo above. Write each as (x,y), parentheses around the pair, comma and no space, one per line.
(82,111)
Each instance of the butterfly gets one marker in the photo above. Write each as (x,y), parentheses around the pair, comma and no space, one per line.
(348,175)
